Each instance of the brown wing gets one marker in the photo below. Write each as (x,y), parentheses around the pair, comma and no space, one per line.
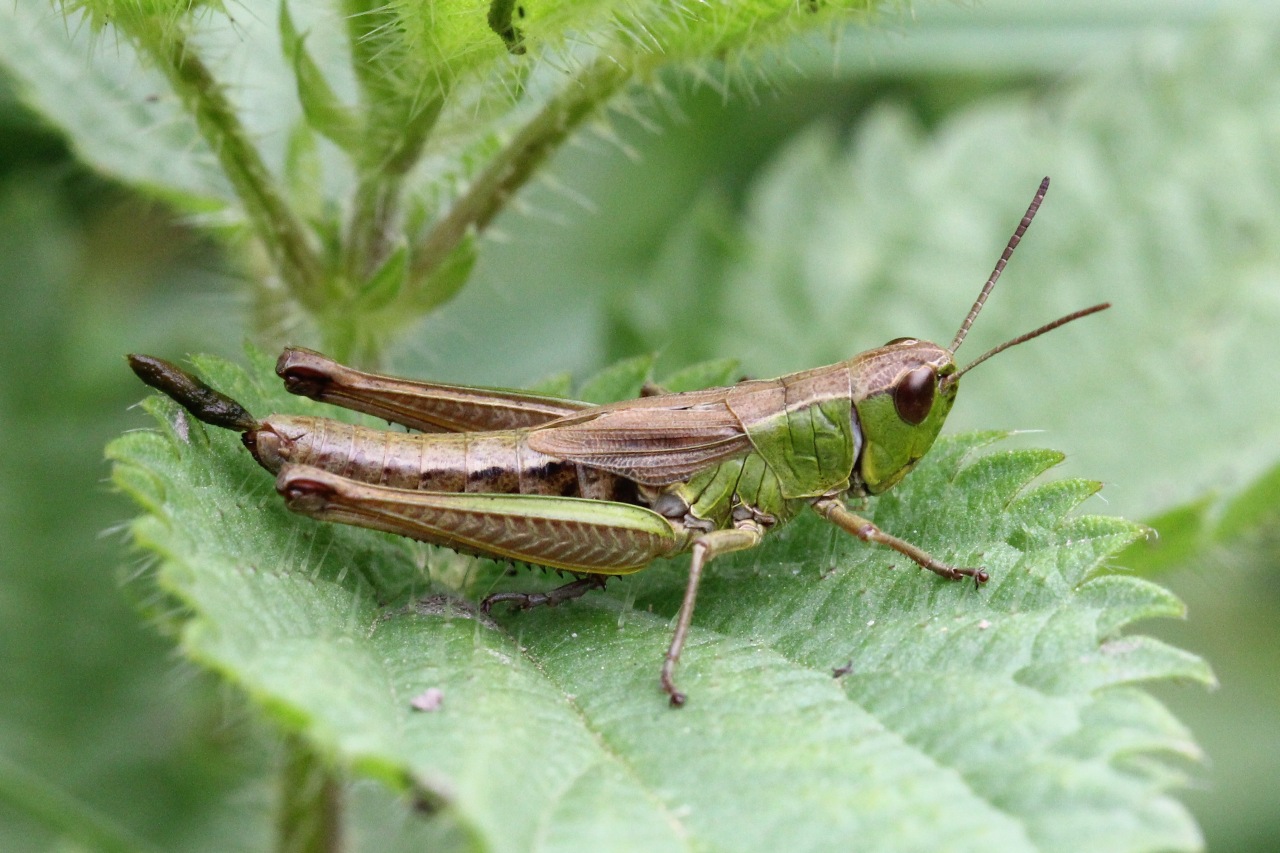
(654,441)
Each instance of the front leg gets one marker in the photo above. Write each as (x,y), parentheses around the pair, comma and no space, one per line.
(833,510)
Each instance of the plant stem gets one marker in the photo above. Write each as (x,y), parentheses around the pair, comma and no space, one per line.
(78,823)
(310,809)
(270,216)
(377,199)
(514,165)
(398,120)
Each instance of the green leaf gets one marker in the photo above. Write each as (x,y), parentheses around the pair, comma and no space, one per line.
(1244,524)
(556,385)
(707,374)
(621,381)
(1010,717)
(1176,537)
(386,284)
(320,104)
(446,280)
(1256,508)
(122,120)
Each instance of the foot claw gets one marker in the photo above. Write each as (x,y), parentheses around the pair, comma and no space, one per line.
(530,600)
(979,576)
(669,686)
(519,600)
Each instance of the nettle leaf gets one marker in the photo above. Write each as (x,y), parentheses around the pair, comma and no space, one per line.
(1009,717)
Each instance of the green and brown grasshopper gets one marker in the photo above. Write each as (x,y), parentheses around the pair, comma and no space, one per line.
(605,490)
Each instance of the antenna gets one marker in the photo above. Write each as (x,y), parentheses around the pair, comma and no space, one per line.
(1000,264)
(1022,339)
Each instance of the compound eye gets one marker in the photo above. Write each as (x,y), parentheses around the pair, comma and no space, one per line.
(913,398)
(903,341)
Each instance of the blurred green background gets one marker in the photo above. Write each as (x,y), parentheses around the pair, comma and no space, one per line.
(1160,124)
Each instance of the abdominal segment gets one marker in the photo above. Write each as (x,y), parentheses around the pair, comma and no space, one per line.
(497,462)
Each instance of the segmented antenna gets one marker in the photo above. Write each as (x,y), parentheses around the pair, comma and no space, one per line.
(1000,264)
(1022,339)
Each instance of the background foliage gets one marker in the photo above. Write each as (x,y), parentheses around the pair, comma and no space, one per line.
(786,221)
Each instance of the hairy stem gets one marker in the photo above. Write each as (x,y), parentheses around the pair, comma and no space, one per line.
(398,120)
(515,164)
(77,824)
(309,819)
(376,211)
(270,216)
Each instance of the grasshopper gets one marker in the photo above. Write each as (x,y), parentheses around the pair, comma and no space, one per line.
(605,490)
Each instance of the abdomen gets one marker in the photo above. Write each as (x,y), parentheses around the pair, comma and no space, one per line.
(499,462)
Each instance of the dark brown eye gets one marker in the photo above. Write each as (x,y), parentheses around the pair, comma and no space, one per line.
(913,398)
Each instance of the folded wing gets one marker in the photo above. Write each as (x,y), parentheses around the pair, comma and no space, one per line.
(654,441)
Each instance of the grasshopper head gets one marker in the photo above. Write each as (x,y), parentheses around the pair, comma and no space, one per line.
(905,389)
